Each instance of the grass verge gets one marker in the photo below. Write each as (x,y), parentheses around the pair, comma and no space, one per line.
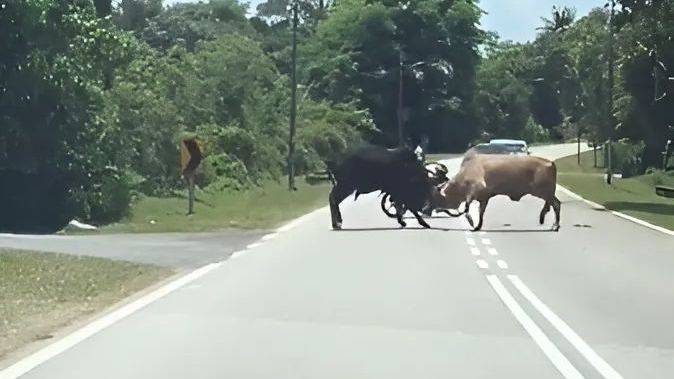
(258,208)
(43,292)
(633,196)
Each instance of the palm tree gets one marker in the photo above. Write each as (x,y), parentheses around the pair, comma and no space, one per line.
(562,19)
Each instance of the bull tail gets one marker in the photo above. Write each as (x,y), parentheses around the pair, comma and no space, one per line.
(553,170)
(330,169)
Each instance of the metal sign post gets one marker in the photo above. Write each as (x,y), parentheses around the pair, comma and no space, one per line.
(293,104)
(190,159)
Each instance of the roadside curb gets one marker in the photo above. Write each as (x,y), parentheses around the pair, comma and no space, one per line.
(616,213)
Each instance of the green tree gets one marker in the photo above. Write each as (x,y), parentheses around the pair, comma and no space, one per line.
(52,77)
(355,55)
(310,11)
(188,24)
(504,91)
(644,105)
(134,14)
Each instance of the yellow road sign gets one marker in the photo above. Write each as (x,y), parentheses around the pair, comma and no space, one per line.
(190,156)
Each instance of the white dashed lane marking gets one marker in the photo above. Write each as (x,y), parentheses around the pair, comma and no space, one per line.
(502,264)
(555,356)
(597,362)
(558,359)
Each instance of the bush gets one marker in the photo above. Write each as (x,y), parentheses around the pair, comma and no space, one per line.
(325,131)
(626,156)
(534,133)
(222,171)
(110,200)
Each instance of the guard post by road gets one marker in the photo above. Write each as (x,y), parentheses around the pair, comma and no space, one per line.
(190,159)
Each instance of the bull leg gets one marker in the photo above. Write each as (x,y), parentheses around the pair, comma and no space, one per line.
(420,220)
(400,212)
(544,212)
(557,206)
(483,207)
(466,211)
(448,213)
(427,210)
(337,195)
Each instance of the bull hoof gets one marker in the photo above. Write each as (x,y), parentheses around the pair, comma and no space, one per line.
(403,224)
(426,226)
(555,227)
(337,226)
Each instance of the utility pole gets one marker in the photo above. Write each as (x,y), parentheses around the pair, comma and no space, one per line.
(293,105)
(578,142)
(609,166)
(401,134)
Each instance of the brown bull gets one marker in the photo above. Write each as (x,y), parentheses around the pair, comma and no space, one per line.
(482,177)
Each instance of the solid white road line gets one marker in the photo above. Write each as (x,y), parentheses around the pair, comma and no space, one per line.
(299,220)
(254,245)
(25,365)
(644,223)
(492,251)
(470,241)
(268,237)
(486,241)
(30,362)
(549,349)
(619,214)
(238,254)
(599,364)
(481,263)
(502,264)
(575,196)
(475,251)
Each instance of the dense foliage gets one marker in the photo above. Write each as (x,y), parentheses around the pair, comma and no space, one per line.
(558,86)
(95,95)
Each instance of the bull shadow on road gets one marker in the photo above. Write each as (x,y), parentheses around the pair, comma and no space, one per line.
(546,230)
(384,229)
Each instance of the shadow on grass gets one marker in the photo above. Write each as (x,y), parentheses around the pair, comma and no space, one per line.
(656,208)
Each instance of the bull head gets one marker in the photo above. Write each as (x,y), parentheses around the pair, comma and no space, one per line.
(449,196)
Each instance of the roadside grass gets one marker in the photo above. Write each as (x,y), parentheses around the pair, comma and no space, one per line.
(259,208)
(633,196)
(43,292)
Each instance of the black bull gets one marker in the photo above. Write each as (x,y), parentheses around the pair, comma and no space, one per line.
(396,172)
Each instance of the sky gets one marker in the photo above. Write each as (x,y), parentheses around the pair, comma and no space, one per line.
(517,20)
(514,20)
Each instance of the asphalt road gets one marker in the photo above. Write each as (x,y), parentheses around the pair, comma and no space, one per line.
(182,251)
(594,300)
